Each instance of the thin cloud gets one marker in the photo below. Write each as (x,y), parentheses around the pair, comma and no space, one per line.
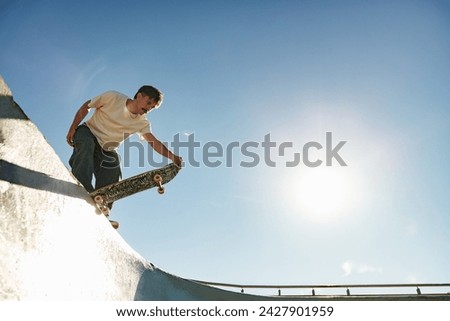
(350,267)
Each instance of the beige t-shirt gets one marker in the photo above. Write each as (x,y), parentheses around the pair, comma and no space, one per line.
(112,122)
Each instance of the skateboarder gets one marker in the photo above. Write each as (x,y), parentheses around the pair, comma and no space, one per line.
(115,118)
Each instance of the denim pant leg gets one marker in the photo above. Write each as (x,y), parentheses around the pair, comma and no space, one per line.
(107,167)
(82,159)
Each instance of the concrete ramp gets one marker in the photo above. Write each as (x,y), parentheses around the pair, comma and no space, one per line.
(54,244)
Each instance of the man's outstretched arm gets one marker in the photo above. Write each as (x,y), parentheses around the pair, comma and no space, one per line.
(162,149)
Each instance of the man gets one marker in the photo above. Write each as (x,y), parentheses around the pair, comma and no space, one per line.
(115,118)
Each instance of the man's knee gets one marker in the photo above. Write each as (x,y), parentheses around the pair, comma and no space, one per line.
(110,160)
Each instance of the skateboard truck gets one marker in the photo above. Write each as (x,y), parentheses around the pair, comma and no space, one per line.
(100,201)
(101,205)
(158,180)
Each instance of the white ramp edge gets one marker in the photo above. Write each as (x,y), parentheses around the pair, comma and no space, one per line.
(54,245)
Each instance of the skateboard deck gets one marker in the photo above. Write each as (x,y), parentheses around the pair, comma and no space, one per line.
(116,191)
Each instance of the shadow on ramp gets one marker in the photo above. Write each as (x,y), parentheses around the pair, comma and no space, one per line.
(18,175)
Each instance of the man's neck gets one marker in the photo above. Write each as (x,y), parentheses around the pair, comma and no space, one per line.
(131,106)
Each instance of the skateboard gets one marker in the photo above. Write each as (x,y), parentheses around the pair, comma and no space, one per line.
(108,194)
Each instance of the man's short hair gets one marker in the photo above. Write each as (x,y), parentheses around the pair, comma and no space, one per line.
(151,92)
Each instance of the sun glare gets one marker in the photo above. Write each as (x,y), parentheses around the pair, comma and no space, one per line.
(322,194)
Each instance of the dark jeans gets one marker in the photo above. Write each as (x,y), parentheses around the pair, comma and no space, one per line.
(89,159)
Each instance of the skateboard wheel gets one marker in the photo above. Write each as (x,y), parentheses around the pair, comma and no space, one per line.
(98,199)
(114,224)
(157,178)
(105,210)
(161,190)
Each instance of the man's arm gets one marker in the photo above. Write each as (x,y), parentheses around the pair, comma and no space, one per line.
(162,149)
(79,116)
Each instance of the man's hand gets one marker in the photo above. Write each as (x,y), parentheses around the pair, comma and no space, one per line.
(177,160)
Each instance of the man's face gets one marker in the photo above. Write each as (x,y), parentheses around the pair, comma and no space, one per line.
(144,104)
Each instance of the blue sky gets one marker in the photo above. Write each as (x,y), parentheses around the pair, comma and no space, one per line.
(375,74)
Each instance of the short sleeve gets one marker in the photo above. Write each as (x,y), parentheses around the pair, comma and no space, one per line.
(145,130)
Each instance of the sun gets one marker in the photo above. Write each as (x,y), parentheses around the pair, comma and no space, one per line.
(322,194)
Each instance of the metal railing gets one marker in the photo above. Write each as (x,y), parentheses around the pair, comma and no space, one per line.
(419,287)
